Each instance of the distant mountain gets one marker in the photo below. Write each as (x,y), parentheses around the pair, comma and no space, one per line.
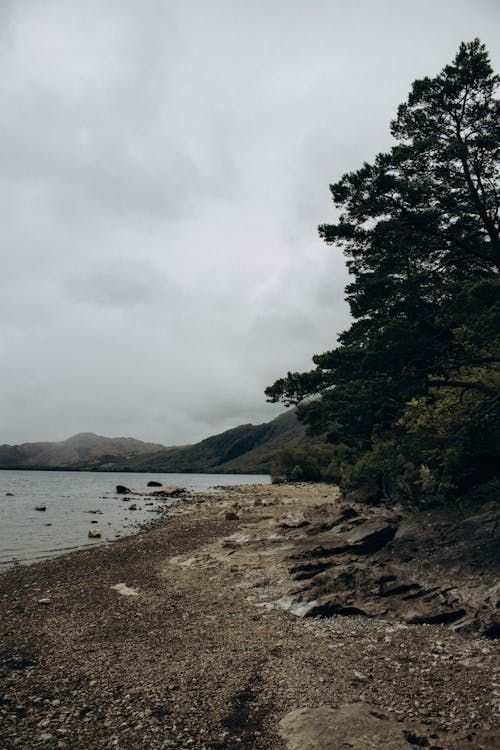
(247,449)
(82,450)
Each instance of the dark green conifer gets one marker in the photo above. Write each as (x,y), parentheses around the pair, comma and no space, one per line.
(420,230)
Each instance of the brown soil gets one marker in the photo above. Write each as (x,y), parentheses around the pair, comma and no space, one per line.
(202,657)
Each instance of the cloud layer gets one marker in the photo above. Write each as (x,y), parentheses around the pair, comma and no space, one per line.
(164,167)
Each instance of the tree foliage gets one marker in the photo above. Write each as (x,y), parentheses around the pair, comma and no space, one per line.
(311,463)
(420,230)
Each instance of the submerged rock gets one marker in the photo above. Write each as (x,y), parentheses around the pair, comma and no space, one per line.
(168,492)
(152,483)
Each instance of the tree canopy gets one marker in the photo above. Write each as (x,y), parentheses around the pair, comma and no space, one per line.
(417,370)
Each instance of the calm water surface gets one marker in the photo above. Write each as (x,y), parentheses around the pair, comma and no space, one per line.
(27,535)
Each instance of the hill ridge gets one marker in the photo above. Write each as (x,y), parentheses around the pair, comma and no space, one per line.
(245,449)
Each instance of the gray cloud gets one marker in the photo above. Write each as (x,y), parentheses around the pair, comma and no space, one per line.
(164,167)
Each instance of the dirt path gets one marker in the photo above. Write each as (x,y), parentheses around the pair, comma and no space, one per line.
(199,657)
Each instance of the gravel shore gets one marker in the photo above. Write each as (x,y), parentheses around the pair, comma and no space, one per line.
(198,656)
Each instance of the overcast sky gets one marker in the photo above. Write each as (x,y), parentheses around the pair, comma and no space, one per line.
(164,167)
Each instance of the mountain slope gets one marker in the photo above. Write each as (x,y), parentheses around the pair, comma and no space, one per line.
(244,449)
(247,449)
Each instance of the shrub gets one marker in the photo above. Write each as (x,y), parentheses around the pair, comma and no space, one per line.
(311,463)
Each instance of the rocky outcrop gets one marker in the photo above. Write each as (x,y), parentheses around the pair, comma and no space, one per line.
(335,559)
(415,568)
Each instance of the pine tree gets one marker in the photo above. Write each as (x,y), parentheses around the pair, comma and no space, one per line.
(420,229)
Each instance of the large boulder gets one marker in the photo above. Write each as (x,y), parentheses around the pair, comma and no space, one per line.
(358,726)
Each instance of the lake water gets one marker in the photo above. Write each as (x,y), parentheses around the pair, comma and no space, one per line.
(27,535)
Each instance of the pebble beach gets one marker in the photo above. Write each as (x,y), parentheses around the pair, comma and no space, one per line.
(166,639)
